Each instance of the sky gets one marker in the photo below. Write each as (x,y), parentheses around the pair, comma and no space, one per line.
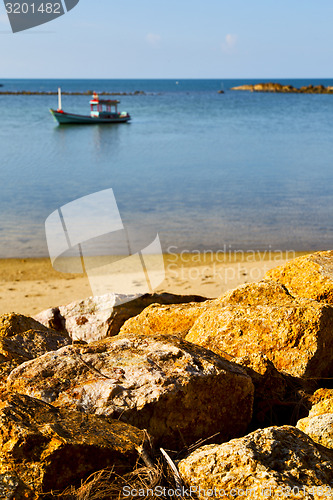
(175,39)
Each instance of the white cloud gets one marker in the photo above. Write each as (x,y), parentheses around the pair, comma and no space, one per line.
(153,39)
(229,43)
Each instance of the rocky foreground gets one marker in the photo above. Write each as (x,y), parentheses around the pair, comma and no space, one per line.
(237,390)
(287,89)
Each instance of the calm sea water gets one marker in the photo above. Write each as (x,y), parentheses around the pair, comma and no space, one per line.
(206,171)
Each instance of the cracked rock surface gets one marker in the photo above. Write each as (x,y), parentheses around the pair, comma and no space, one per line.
(276,462)
(176,390)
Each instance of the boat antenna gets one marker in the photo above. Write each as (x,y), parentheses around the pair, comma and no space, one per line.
(59,98)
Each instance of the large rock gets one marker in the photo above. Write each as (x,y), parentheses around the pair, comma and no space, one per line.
(309,276)
(12,324)
(166,319)
(95,318)
(23,338)
(31,344)
(178,391)
(276,462)
(319,423)
(319,428)
(295,334)
(45,448)
(322,402)
(262,293)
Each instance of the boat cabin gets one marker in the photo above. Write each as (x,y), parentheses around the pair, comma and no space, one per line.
(101,111)
(103,108)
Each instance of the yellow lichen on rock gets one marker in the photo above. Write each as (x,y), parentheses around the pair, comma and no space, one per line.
(23,338)
(263,293)
(319,428)
(97,317)
(319,423)
(295,334)
(309,276)
(12,324)
(180,392)
(174,319)
(276,462)
(50,448)
(322,402)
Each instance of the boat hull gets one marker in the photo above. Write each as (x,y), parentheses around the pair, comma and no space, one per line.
(64,118)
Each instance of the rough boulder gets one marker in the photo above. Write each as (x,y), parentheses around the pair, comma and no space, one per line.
(276,462)
(95,318)
(176,319)
(319,423)
(45,448)
(180,392)
(21,339)
(309,276)
(294,333)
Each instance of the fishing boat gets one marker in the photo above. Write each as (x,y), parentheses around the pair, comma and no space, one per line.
(101,111)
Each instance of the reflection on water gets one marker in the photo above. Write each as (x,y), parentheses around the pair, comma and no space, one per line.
(106,138)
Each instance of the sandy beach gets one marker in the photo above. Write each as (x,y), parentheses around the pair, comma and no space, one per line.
(28,286)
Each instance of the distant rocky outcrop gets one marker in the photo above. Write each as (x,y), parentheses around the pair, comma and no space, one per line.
(276,462)
(178,391)
(287,89)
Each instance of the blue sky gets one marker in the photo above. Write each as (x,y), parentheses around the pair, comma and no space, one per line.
(175,39)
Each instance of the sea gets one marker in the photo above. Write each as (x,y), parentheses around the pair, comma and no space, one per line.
(205,171)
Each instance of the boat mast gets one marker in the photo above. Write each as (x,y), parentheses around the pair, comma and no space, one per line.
(59,98)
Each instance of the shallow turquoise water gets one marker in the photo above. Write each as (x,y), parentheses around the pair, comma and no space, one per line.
(206,171)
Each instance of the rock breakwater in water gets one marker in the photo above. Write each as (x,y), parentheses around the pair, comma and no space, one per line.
(64,92)
(286,89)
(236,388)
